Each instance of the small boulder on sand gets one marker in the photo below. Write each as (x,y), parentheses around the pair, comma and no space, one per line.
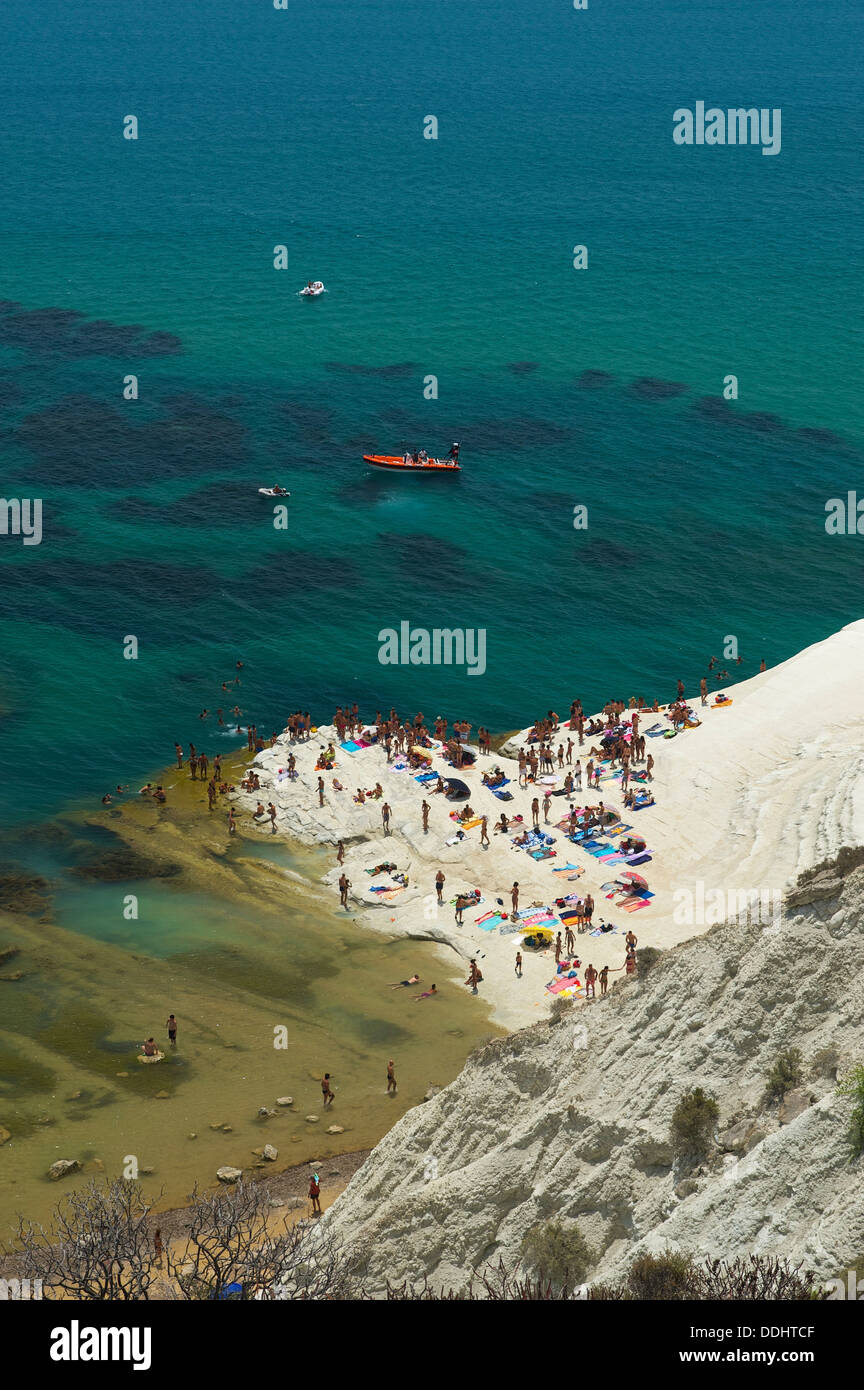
(285,1100)
(312,1119)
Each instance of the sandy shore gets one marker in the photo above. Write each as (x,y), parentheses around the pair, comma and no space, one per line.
(763,788)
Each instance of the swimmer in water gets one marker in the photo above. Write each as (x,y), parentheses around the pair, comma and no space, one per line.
(401,984)
(427,994)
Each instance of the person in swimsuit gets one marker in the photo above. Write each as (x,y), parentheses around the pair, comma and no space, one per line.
(427,994)
(325,1090)
(315,1194)
(171,1025)
(400,984)
(149,1048)
(391,1078)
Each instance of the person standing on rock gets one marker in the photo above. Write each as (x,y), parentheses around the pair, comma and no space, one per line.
(232,824)
(391,1078)
(340,852)
(519,964)
(344,885)
(440,880)
(424,810)
(179,751)
(385,818)
(326,1091)
(590,977)
(603,977)
(589,909)
(474,975)
(271,811)
(514,898)
(211,794)
(547,802)
(320,791)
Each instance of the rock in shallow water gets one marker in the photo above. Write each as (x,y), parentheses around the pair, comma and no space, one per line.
(228,1174)
(62,1167)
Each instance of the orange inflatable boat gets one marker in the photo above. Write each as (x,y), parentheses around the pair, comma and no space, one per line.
(397,461)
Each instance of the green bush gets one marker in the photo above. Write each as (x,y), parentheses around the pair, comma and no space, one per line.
(785,1074)
(824,1063)
(852,1085)
(667,1277)
(559,1254)
(693,1123)
(647,959)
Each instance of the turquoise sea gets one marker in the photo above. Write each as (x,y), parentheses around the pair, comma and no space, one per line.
(450,257)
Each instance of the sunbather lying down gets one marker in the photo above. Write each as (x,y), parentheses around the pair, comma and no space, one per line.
(494,778)
(632,845)
(381,869)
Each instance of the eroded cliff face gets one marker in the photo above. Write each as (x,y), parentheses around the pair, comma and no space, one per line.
(573,1120)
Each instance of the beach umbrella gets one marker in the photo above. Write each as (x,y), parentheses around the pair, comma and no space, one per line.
(541,935)
(636,878)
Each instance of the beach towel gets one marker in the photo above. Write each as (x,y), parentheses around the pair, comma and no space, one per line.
(635,905)
(427,777)
(539,919)
(563,985)
(569,869)
(508,928)
(490,923)
(538,854)
(642,858)
(603,931)
(350,746)
(455,840)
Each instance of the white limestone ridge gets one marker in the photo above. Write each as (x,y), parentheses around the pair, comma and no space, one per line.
(571,1120)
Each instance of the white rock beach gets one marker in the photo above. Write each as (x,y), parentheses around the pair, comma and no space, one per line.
(761,790)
